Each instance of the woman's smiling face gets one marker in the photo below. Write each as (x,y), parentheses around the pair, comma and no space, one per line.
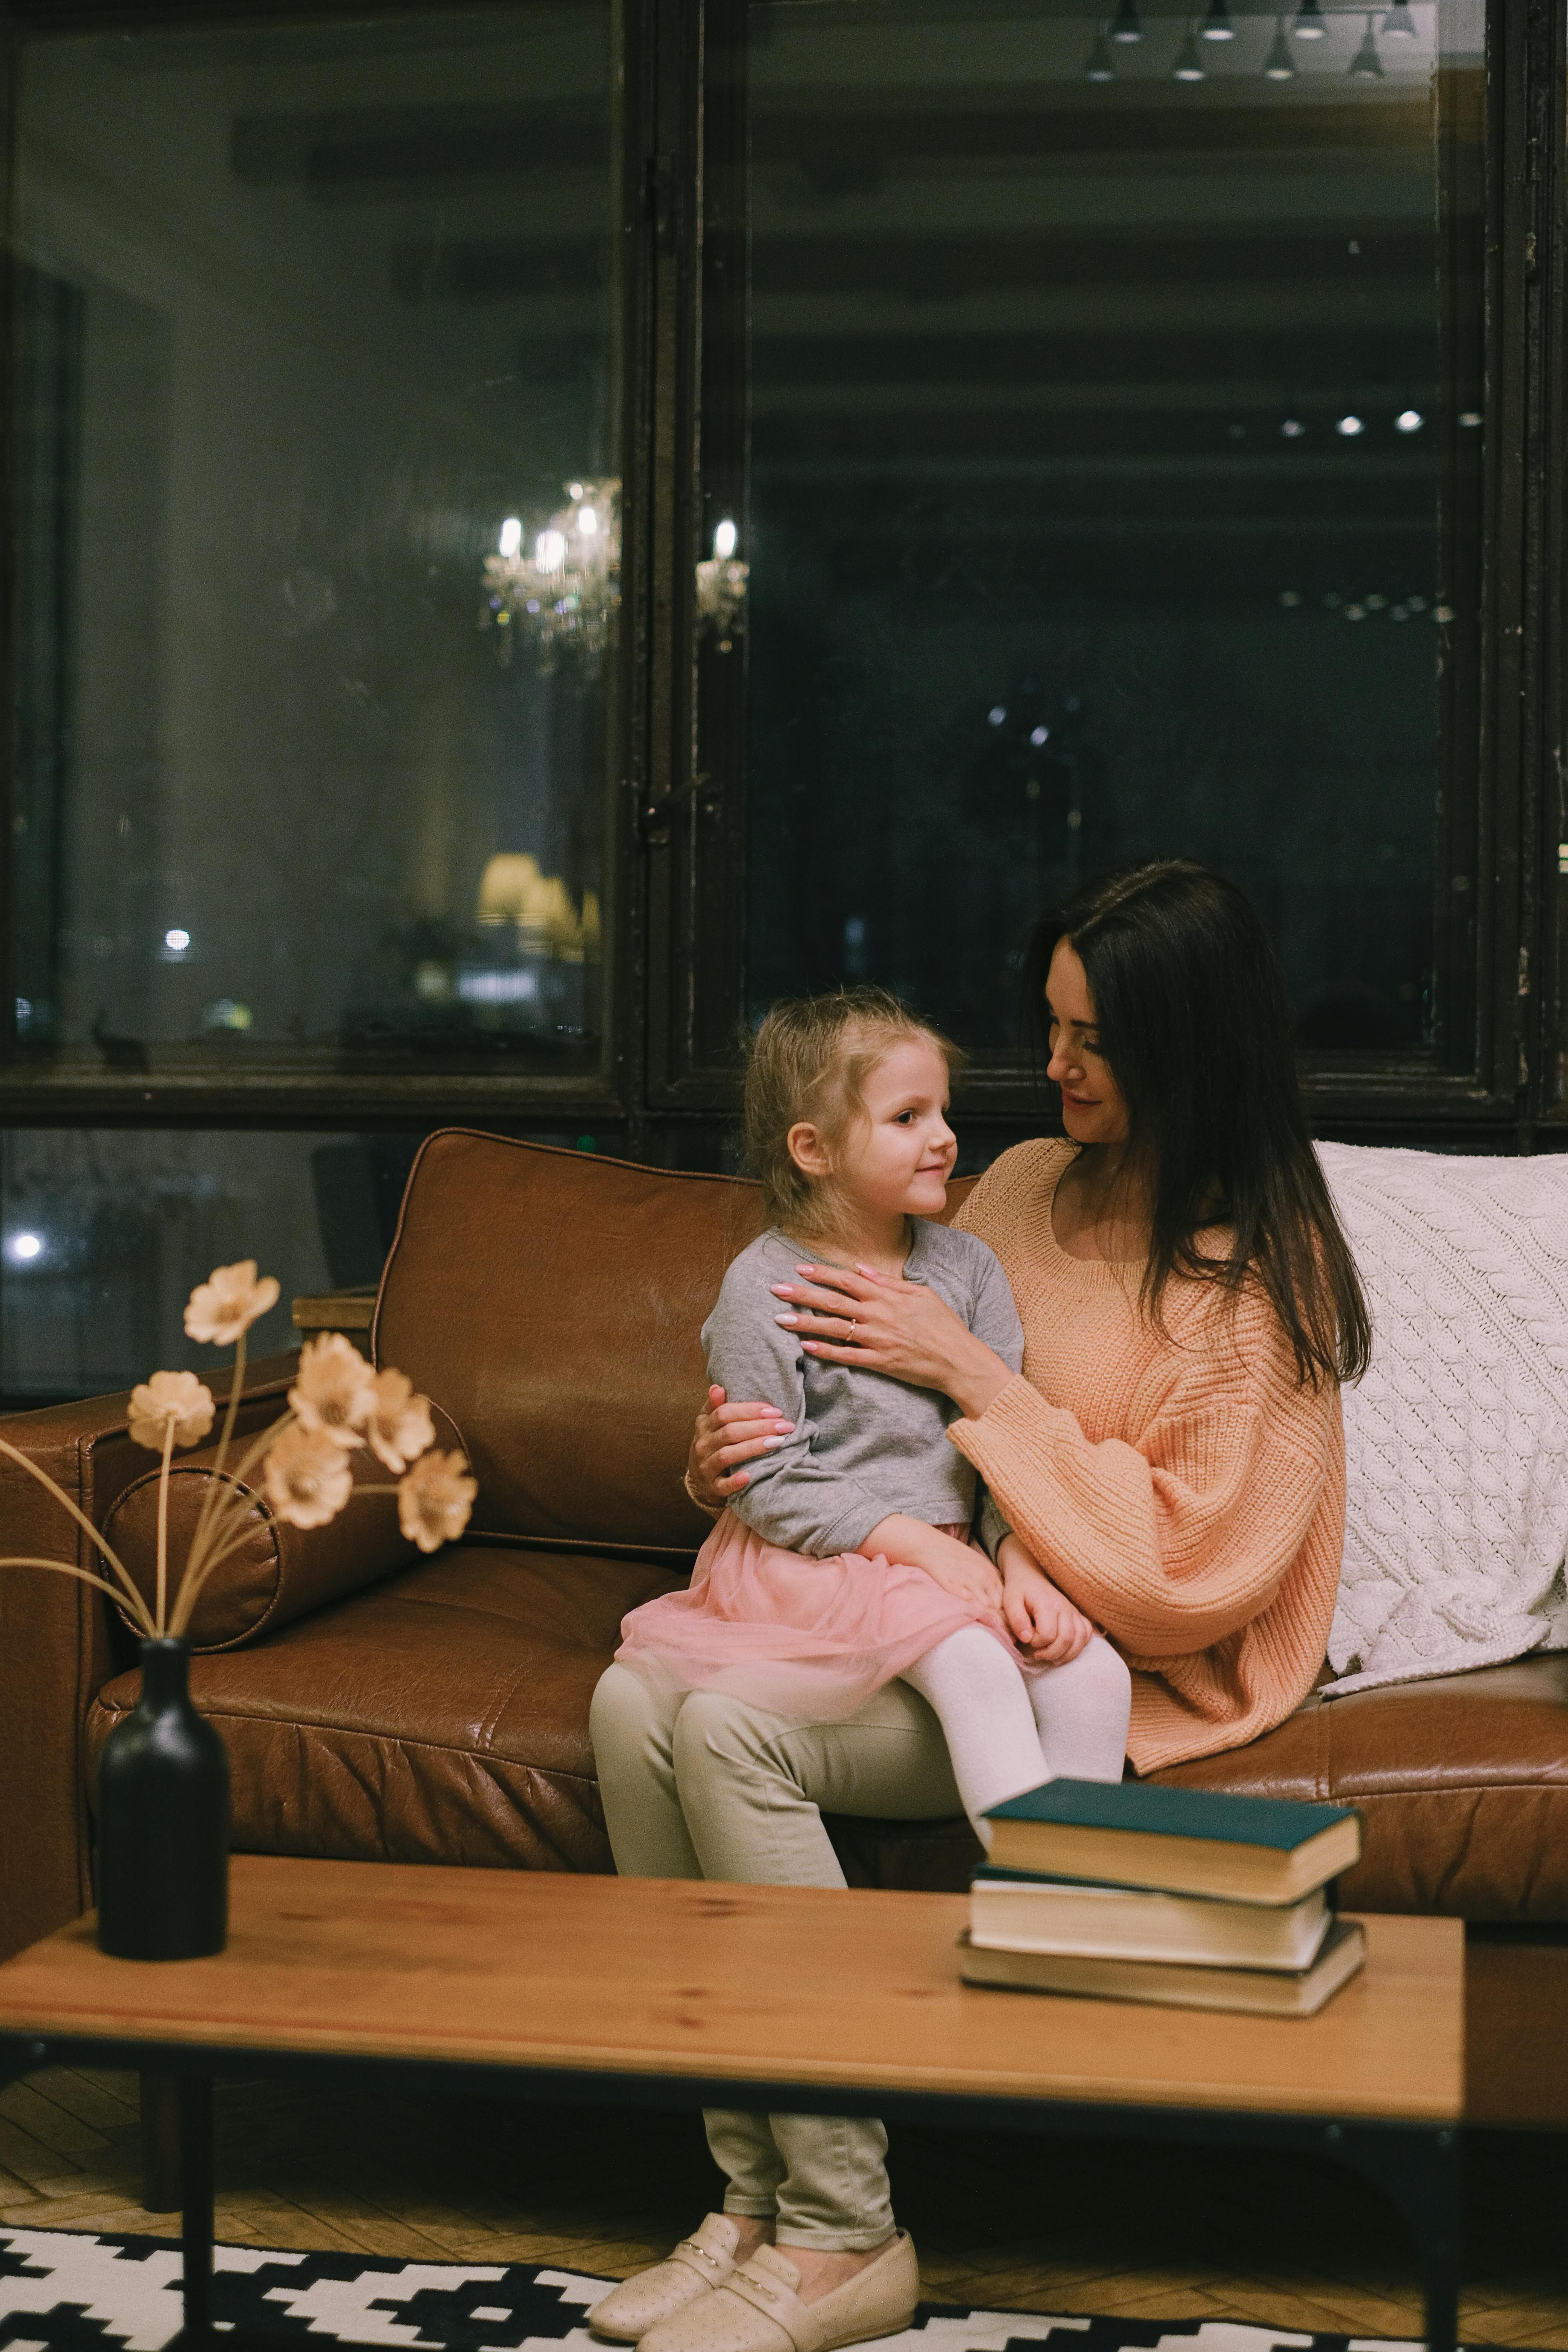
(1092,1108)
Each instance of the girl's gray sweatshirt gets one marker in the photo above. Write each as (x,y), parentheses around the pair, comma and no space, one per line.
(864,1445)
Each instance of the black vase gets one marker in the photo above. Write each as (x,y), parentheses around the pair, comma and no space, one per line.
(163,1821)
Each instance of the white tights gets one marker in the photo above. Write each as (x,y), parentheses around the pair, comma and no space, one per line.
(1007,1731)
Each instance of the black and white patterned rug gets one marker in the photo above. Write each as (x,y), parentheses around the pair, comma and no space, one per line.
(66,2291)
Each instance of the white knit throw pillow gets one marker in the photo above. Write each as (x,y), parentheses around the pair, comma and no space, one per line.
(1457,1439)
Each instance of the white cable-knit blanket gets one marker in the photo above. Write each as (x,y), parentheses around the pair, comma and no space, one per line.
(1457,1439)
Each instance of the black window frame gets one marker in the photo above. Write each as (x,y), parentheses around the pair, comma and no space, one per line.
(665,1085)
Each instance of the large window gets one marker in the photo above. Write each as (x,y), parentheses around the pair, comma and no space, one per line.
(1115,473)
(317,399)
(537,525)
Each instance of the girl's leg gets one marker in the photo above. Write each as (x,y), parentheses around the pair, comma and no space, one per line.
(979,1697)
(1082,1711)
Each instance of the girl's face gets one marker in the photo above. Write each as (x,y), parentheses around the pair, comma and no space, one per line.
(896,1159)
(1092,1108)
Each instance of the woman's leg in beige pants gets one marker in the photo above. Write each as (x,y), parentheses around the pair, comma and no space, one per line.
(714,1789)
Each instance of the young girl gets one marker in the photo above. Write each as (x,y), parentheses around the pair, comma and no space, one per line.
(846,1563)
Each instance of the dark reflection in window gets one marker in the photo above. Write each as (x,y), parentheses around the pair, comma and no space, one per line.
(318,530)
(1115,444)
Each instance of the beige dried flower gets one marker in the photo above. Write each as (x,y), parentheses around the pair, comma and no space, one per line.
(177,1397)
(224,1306)
(433,1500)
(399,1426)
(334,1390)
(308,1478)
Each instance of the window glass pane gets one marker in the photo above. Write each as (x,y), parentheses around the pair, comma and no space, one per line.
(1115,461)
(106,1233)
(318,536)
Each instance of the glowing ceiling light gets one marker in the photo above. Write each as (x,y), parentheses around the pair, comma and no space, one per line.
(1186,68)
(510,540)
(1409,420)
(1279,64)
(1127,26)
(1350,427)
(1217,25)
(1308,25)
(176,941)
(26,1246)
(549,550)
(726,539)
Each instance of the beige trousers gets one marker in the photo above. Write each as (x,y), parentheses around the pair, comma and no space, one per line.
(697,1785)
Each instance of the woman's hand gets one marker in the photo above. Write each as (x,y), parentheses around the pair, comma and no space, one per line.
(888,1325)
(727,1434)
(1042,1620)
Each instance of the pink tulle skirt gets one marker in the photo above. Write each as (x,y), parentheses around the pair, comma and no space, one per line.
(813,1638)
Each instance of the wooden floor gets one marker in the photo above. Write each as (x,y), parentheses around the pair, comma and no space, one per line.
(1001,2222)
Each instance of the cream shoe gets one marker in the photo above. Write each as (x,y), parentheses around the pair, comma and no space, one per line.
(758,2310)
(699,2263)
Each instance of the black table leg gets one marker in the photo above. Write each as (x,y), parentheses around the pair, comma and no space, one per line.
(196,2208)
(1421,2172)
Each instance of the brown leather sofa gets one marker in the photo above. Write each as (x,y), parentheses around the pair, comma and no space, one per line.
(383,1706)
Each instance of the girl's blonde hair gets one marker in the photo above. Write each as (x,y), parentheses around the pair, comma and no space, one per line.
(810,1059)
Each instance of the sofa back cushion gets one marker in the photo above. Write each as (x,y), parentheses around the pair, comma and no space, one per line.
(550,1302)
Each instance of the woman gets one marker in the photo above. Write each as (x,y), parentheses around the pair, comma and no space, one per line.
(1172,1455)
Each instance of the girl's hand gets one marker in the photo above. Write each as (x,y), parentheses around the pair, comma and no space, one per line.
(888,1325)
(1042,1620)
(727,1434)
(960,1568)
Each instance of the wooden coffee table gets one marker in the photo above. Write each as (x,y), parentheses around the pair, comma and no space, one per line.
(665,1993)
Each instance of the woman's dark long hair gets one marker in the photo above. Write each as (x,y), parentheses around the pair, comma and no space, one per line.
(1194,1021)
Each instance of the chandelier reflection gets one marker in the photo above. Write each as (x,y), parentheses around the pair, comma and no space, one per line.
(563,595)
(722,588)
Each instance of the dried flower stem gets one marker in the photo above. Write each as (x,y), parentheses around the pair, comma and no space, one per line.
(86,1576)
(162,1612)
(215,1482)
(221,1523)
(137,1606)
(232,1505)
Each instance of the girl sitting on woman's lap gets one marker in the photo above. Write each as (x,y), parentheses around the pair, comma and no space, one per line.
(845,1561)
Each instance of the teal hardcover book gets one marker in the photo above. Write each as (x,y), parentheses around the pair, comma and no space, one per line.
(1184,1841)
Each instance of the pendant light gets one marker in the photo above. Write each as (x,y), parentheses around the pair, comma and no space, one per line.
(1188,67)
(1217,25)
(1127,26)
(1279,64)
(1366,59)
(1099,68)
(1399,25)
(1310,25)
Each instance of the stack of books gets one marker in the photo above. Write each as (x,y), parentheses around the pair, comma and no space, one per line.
(1123,1891)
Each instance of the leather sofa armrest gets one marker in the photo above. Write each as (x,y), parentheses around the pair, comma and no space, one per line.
(56,1645)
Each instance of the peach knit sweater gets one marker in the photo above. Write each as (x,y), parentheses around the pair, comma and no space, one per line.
(1186,1493)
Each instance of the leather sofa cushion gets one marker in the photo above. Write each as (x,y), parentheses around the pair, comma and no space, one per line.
(1462,1783)
(276,1572)
(550,1303)
(442,1718)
